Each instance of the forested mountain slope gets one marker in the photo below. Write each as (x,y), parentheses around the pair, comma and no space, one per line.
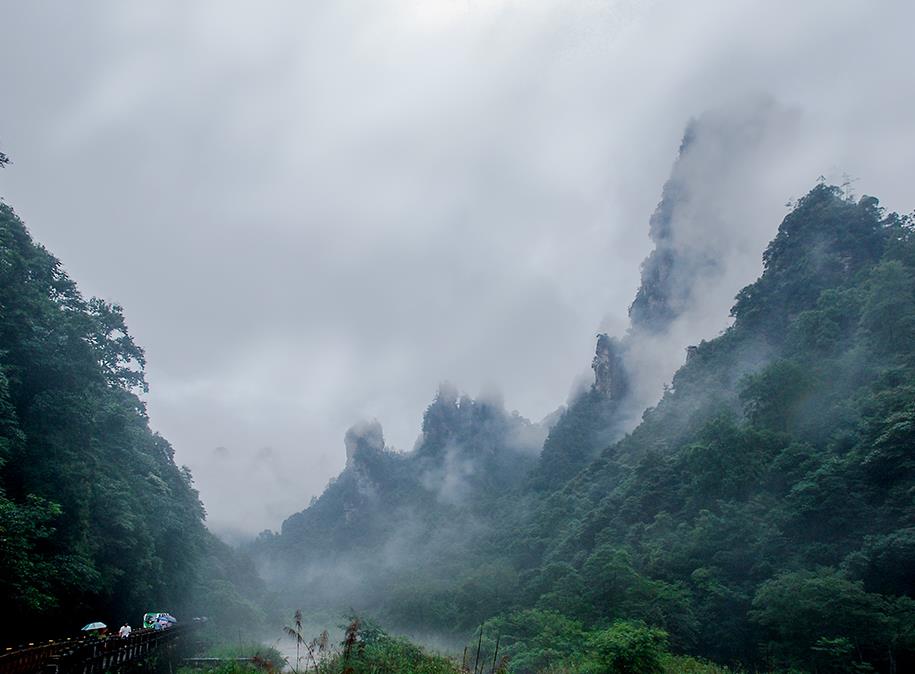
(96,520)
(763,512)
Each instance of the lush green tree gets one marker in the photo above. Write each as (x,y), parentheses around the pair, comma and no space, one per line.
(888,317)
(772,397)
(814,614)
(535,640)
(628,647)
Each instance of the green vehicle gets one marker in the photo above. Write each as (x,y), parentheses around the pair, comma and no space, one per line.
(158,621)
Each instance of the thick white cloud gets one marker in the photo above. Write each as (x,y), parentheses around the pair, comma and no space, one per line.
(314,212)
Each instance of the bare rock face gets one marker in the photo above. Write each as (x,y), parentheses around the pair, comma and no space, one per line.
(700,230)
(366,436)
(609,374)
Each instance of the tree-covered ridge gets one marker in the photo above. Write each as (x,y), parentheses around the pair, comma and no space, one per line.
(763,512)
(96,520)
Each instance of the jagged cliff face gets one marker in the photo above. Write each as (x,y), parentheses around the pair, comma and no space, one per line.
(609,374)
(701,238)
(590,423)
(674,266)
(660,298)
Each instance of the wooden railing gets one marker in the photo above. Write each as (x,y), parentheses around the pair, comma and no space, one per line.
(86,655)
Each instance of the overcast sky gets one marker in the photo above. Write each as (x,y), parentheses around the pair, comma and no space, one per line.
(314,212)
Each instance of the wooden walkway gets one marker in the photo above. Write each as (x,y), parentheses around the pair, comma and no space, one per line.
(88,655)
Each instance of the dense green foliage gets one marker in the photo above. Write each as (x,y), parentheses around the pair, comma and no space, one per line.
(763,511)
(762,514)
(96,520)
(537,640)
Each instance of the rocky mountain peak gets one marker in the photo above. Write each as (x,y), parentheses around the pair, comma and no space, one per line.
(609,374)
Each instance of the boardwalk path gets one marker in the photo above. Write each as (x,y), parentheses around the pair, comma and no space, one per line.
(88,655)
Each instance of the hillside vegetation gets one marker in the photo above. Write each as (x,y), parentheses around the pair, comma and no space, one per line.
(762,514)
(96,520)
(763,510)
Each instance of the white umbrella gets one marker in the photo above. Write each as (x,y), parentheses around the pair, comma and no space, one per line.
(94,626)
